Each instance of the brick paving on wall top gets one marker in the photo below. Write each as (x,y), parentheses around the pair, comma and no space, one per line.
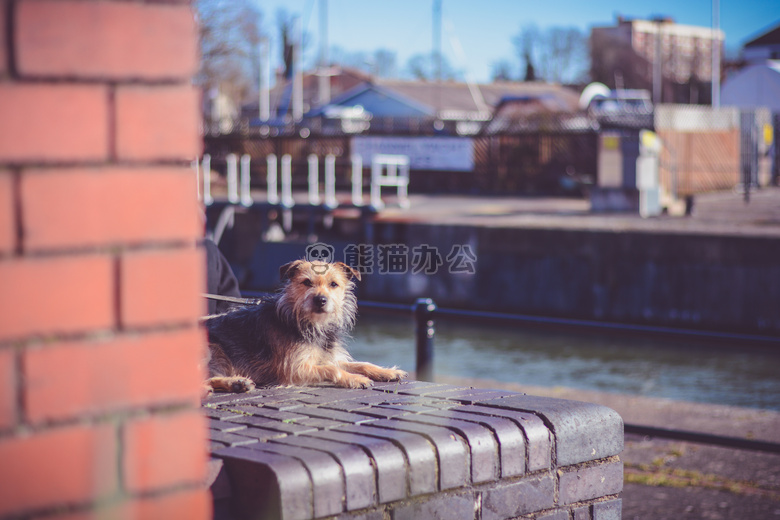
(412,450)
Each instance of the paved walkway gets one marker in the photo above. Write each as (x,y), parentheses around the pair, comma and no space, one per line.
(714,213)
(672,479)
(718,213)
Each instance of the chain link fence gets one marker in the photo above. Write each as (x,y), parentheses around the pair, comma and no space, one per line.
(704,149)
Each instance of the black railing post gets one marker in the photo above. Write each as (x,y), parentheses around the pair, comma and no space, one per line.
(424,334)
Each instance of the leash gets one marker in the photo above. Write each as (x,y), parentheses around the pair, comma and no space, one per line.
(233,299)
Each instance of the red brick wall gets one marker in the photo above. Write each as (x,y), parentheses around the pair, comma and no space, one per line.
(99,273)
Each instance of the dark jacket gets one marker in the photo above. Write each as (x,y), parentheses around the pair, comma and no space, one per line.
(221,279)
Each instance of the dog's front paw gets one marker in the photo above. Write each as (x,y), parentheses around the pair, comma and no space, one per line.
(392,374)
(235,384)
(355,381)
(241,384)
(399,374)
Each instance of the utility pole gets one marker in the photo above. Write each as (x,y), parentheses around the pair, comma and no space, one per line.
(324,76)
(715,54)
(297,87)
(437,52)
(658,73)
(265,80)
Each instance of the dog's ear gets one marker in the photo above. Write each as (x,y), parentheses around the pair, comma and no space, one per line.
(287,271)
(349,271)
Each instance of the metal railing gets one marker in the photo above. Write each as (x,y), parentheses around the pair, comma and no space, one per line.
(427,310)
(424,311)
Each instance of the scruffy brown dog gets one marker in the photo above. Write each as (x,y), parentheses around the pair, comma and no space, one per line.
(295,337)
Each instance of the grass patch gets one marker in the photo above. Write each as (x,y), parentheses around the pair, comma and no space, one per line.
(655,475)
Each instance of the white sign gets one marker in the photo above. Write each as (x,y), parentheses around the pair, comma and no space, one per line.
(425,153)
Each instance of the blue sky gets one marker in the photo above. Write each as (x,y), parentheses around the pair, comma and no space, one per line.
(484,28)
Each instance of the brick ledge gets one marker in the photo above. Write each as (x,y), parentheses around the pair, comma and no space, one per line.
(416,449)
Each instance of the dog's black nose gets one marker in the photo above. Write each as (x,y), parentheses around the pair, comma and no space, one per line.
(320,301)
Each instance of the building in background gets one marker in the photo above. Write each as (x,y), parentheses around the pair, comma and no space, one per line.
(360,103)
(756,86)
(765,46)
(757,83)
(672,61)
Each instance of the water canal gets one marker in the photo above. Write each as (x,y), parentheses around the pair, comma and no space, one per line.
(689,370)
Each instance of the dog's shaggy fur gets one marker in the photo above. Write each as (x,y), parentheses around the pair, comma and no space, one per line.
(296,337)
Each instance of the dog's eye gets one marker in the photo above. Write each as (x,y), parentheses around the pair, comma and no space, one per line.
(334,284)
(307,283)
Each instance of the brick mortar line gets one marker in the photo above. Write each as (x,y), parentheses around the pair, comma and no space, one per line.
(122,415)
(407,464)
(71,79)
(530,474)
(547,424)
(111,162)
(493,432)
(108,249)
(477,492)
(95,335)
(574,505)
(111,123)
(589,464)
(342,472)
(173,326)
(465,439)
(422,499)
(16,187)
(372,461)
(116,273)
(485,486)
(527,454)
(19,401)
(358,513)
(10,33)
(527,443)
(430,441)
(119,432)
(553,438)
(101,505)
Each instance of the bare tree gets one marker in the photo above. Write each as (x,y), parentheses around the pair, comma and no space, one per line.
(423,67)
(501,71)
(526,41)
(285,23)
(568,49)
(579,55)
(530,71)
(230,33)
(381,63)
(558,54)
(384,64)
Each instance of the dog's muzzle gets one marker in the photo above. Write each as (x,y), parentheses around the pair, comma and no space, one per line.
(320,302)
